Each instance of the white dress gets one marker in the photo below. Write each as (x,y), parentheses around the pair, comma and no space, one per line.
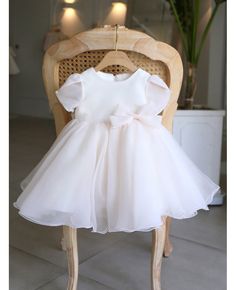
(114,167)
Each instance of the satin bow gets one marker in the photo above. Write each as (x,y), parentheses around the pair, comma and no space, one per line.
(146,114)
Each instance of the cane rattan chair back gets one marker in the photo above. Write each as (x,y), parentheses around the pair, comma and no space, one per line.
(88,48)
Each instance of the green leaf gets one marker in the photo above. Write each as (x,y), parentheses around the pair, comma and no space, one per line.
(186,14)
(179,24)
(194,30)
(205,32)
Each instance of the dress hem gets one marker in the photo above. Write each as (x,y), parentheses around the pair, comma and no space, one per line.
(146,229)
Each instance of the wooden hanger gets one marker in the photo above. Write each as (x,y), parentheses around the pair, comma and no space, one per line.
(116,57)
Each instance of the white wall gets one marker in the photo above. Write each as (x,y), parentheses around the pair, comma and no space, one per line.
(203,65)
(29,21)
(217,61)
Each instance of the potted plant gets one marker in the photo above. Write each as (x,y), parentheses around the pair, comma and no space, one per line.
(186,14)
(199,132)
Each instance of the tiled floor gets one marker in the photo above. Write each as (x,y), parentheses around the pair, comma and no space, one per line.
(118,261)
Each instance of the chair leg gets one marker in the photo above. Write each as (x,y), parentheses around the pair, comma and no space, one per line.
(70,240)
(158,242)
(63,243)
(168,245)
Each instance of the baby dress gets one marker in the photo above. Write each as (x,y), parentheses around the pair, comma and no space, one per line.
(114,166)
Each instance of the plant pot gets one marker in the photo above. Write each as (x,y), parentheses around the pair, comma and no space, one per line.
(191,85)
(199,133)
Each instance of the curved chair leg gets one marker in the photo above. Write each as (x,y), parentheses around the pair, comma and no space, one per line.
(70,240)
(63,243)
(158,242)
(168,245)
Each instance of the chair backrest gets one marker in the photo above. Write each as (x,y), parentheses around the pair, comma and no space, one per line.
(86,49)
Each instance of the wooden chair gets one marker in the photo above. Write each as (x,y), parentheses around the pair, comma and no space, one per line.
(86,50)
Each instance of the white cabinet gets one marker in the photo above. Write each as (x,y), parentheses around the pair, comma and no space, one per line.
(199,133)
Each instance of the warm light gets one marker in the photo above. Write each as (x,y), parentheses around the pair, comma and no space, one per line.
(70,22)
(117,14)
(119,8)
(69,1)
(69,14)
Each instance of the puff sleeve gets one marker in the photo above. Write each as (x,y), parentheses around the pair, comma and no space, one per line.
(70,93)
(157,92)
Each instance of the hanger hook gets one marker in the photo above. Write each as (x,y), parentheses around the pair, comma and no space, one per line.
(116,27)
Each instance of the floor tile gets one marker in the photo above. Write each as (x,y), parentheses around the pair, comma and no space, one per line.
(28,272)
(41,241)
(30,138)
(90,244)
(44,242)
(194,267)
(208,227)
(126,265)
(84,283)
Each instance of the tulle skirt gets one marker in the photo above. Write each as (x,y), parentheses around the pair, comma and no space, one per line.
(114,179)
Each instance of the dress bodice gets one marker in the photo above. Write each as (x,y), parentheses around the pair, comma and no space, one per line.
(94,96)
